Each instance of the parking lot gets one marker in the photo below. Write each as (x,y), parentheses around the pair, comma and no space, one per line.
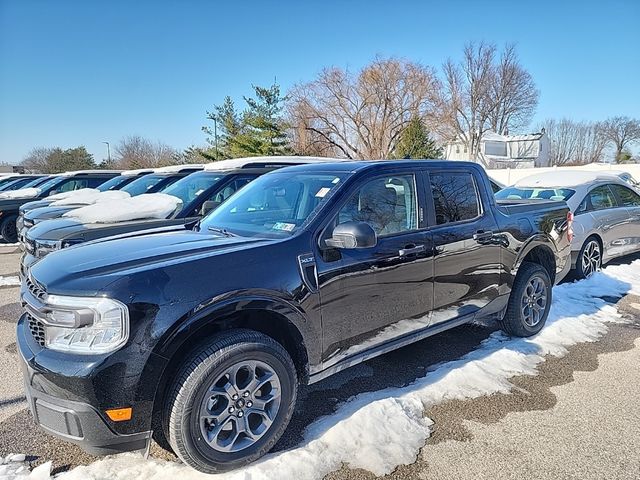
(578,417)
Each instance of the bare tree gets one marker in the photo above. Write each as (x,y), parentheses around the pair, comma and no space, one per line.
(574,143)
(514,93)
(481,93)
(138,152)
(621,131)
(37,160)
(360,115)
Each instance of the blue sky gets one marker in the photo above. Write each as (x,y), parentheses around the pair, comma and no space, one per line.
(82,72)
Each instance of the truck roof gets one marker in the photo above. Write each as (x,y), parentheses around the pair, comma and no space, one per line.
(358,165)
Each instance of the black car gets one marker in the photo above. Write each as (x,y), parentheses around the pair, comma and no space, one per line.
(20,181)
(199,193)
(203,334)
(34,212)
(9,208)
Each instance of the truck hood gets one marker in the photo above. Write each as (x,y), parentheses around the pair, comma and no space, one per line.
(72,270)
(46,213)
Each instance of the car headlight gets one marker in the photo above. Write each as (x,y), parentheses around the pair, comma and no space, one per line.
(27,222)
(45,247)
(85,325)
(20,222)
(70,243)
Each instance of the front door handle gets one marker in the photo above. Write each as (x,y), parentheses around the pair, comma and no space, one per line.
(483,235)
(411,250)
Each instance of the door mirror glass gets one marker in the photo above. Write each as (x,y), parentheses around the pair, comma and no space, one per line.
(351,235)
(208,207)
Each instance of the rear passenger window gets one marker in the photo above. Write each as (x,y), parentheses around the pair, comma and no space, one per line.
(455,197)
(627,197)
(601,197)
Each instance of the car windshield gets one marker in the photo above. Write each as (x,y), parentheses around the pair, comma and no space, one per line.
(114,183)
(50,184)
(36,182)
(275,205)
(188,188)
(143,184)
(534,193)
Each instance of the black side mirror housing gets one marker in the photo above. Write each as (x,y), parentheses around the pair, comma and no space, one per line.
(208,207)
(351,235)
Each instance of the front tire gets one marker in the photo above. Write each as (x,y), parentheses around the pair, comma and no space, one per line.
(231,401)
(8,230)
(529,302)
(589,259)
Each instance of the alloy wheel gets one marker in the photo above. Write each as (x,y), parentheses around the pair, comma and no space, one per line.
(591,258)
(240,406)
(534,301)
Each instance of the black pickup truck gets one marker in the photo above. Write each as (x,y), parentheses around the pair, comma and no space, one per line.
(201,335)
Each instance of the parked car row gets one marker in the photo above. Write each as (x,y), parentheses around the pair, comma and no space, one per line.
(192,312)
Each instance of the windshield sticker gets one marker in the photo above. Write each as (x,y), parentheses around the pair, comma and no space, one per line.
(322,192)
(287,227)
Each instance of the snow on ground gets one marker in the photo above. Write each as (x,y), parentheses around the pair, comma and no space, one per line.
(378,431)
(20,193)
(4,281)
(89,196)
(145,206)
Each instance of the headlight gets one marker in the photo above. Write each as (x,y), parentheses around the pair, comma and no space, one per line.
(27,223)
(45,247)
(71,243)
(85,325)
(20,222)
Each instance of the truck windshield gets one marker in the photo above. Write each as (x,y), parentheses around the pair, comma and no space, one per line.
(275,205)
(188,188)
(534,193)
(143,184)
(114,183)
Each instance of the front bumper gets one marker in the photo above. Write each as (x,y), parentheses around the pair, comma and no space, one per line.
(66,402)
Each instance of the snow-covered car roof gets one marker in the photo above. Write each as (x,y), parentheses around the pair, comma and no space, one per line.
(137,171)
(258,162)
(566,178)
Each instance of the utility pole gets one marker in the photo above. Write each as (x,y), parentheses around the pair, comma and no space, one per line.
(108,153)
(215,135)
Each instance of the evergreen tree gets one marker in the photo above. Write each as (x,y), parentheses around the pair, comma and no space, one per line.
(69,160)
(416,143)
(258,130)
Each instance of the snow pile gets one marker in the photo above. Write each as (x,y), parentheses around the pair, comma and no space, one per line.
(380,430)
(13,466)
(4,281)
(21,193)
(89,196)
(145,206)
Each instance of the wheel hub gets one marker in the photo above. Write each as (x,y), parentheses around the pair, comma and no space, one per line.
(240,406)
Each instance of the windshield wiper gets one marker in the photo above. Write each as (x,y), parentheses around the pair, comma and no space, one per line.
(222,231)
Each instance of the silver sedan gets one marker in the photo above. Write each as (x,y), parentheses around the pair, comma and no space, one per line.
(606,213)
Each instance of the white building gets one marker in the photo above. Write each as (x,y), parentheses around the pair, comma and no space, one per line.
(505,151)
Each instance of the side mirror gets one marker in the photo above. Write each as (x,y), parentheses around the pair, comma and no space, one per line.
(53,192)
(208,207)
(352,235)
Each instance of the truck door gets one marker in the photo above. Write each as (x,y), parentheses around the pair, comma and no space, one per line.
(372,295)
(467,259)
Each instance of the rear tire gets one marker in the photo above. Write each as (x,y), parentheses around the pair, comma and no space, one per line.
(8,229)
(231,401)
(529,302)
(589,259)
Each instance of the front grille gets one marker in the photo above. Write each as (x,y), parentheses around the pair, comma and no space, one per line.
(35,289)
(37,329)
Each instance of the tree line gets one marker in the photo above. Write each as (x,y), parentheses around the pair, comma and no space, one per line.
(390,108)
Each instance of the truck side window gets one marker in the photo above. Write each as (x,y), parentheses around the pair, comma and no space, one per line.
(455,197)
(388,204)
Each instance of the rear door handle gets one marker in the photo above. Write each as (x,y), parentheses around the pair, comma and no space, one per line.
(403,252)
(483,235)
